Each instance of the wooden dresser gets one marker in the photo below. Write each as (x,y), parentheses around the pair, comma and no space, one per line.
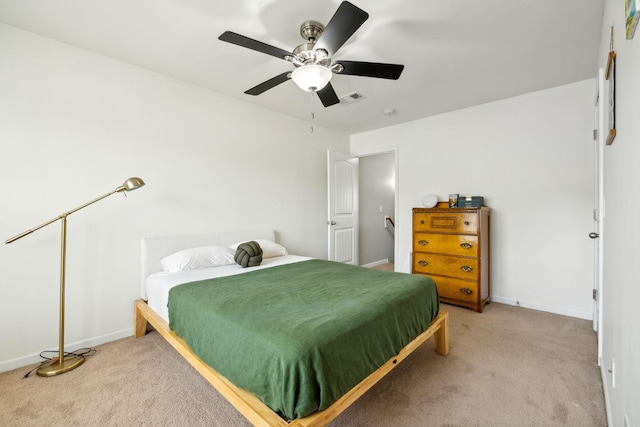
(451,245)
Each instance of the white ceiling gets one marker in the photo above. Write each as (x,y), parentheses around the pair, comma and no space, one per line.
(456,53)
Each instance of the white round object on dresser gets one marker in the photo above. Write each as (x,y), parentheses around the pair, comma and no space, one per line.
(429,201)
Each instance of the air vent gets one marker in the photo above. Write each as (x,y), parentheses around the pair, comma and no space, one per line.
(351,98)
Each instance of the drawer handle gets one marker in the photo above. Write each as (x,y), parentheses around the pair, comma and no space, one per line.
(423,263)
(466,291)
(467,223)
(466,245)
(422,221)
(423,242)
(466,269)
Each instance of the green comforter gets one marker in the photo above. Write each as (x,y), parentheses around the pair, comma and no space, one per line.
(300,335)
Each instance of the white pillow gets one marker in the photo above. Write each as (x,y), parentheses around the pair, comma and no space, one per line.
(193,258)
(269,249)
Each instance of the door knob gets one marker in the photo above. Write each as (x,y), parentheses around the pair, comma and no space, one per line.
(594,235)
(331,223)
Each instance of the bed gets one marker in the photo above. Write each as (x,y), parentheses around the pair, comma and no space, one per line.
(278,346)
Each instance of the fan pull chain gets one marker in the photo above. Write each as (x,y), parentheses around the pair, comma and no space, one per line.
(313,114)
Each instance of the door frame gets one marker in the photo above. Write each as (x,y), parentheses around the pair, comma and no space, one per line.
(599,209)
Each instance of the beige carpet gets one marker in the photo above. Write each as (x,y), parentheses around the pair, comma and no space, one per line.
(508,366)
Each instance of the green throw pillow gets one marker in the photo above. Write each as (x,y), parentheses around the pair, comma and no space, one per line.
(248,254)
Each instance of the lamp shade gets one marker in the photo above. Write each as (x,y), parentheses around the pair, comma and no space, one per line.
(132,184)
(311,77)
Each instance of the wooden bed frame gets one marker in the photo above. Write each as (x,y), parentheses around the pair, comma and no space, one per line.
(246,403)
(250,406)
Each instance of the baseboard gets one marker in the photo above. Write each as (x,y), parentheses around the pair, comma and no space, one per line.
(31,359)
(377,263)
(587,315)
(605,388)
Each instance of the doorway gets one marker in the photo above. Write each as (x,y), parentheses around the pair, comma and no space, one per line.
(374,189)
(377,203)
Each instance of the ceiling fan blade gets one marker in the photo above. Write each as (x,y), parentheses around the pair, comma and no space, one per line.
(371,69)
(269,84)
(347,19)
(256,45)
(328,96)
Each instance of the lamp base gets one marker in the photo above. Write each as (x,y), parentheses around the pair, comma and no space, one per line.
(54,367)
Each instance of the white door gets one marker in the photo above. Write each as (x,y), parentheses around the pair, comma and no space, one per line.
(598,208)
(342,221)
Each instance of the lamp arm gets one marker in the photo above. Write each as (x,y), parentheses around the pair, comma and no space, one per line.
(26,233)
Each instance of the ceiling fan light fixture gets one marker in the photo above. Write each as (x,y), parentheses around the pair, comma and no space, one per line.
(311,77)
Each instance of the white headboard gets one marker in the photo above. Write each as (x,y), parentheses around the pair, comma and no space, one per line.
(153,249)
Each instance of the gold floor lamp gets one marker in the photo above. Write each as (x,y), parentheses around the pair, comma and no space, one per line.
(62,364)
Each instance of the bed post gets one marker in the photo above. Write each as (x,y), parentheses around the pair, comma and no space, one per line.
(140,322)
(442,334)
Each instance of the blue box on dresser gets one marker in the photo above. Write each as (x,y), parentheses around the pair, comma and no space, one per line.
(470,201)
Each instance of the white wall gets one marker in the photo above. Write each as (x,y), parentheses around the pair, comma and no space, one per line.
(75,125)
(531,157)
(621,336)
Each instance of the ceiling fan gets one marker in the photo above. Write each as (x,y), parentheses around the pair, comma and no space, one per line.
(312,60)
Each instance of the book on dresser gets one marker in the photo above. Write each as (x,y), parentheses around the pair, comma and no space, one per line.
(451,245)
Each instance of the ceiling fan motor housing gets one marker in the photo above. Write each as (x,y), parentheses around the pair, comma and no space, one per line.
(305,53)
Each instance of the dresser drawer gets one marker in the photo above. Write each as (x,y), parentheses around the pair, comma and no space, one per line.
(464,268)
(454,244)
(455,289)
(446,222)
